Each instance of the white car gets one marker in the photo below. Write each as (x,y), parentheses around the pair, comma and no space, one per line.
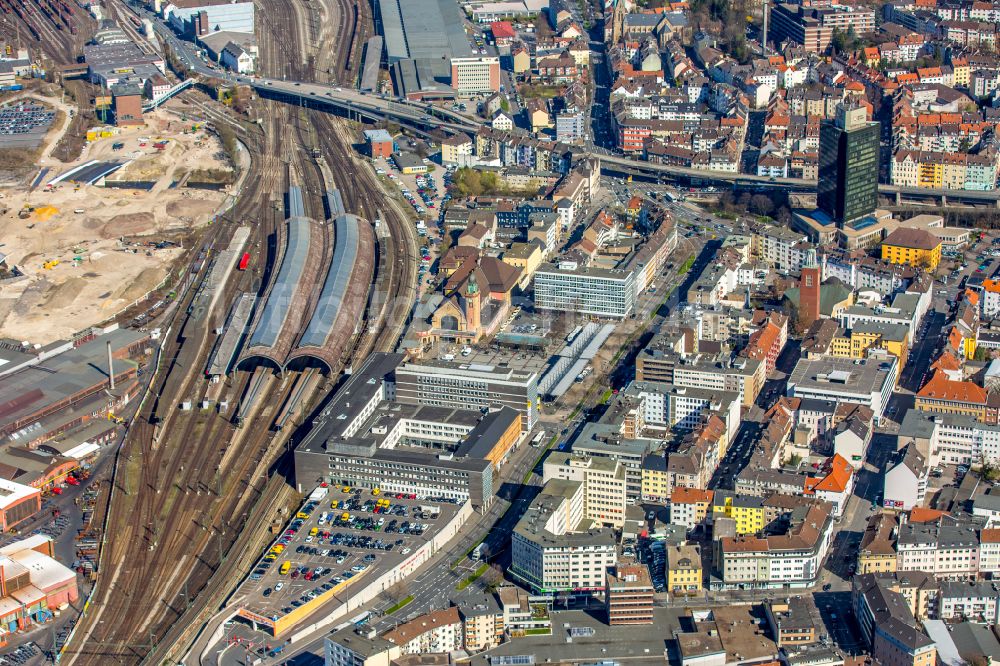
(277,587)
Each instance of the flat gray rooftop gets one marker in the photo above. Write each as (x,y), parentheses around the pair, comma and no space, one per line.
(431,29)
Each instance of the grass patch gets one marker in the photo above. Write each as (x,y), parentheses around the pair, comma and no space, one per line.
(538,631)
(473,577)
(663,303)
(606,396)
(686,266)
(402,603)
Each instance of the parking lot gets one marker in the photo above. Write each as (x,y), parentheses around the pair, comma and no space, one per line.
(426,194)
(339,536)
(24,122)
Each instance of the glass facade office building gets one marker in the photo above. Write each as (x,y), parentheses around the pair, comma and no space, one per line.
(848,169)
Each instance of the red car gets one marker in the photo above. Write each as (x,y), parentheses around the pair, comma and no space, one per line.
(71,481)
(57,491)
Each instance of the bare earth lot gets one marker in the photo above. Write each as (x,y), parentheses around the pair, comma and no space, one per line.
(81,228)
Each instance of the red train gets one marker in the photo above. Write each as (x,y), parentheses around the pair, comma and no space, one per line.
(244,261)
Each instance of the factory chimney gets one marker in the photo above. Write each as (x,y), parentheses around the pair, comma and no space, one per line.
(111,367)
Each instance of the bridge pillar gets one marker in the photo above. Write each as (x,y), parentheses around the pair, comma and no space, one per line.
(899,198)
(944,200)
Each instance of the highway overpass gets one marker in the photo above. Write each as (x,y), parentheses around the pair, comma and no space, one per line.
(425,118)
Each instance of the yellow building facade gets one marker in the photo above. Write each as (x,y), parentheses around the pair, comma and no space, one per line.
(912,247)
(684,572)
(747,512)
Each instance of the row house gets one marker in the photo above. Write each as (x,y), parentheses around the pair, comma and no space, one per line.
(949,550)
(969,33)
(943,170)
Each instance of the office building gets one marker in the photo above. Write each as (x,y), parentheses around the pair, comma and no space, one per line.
(848,165)
(913,247)
(867,381)
(600,292)
(628,595)
(554,546)
(469,386)
(474,76)
(603,482)
(365,439)
(722,372)
(790,622)
(379,143)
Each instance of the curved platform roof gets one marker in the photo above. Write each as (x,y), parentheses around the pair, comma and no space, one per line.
(334,204)
(345,292)
(281,316)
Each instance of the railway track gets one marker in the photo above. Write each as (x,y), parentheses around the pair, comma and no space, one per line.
(181,496)
(184,501)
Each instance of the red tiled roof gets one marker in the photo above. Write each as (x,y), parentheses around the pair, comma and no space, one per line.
(691,496)
(838,478)
(946,362)
(501,29)
(940,387)
(990,536)
(919,514)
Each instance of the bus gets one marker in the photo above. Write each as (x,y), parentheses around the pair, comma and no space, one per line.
(537,441)
(670,197)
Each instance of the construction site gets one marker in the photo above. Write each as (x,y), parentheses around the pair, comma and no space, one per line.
(94,237)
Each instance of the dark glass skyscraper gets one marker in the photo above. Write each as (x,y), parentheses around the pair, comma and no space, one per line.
(848,165)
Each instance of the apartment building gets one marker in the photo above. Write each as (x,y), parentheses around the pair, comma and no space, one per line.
(554,546)
(662,406)
(746,511)
(905,481)
(603,482)
(683,569)
(790,560)
(947,549)
(951,439)
(690,507)
(358,647)
(877,552)
(978,601)
(888,624)
(437,631)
